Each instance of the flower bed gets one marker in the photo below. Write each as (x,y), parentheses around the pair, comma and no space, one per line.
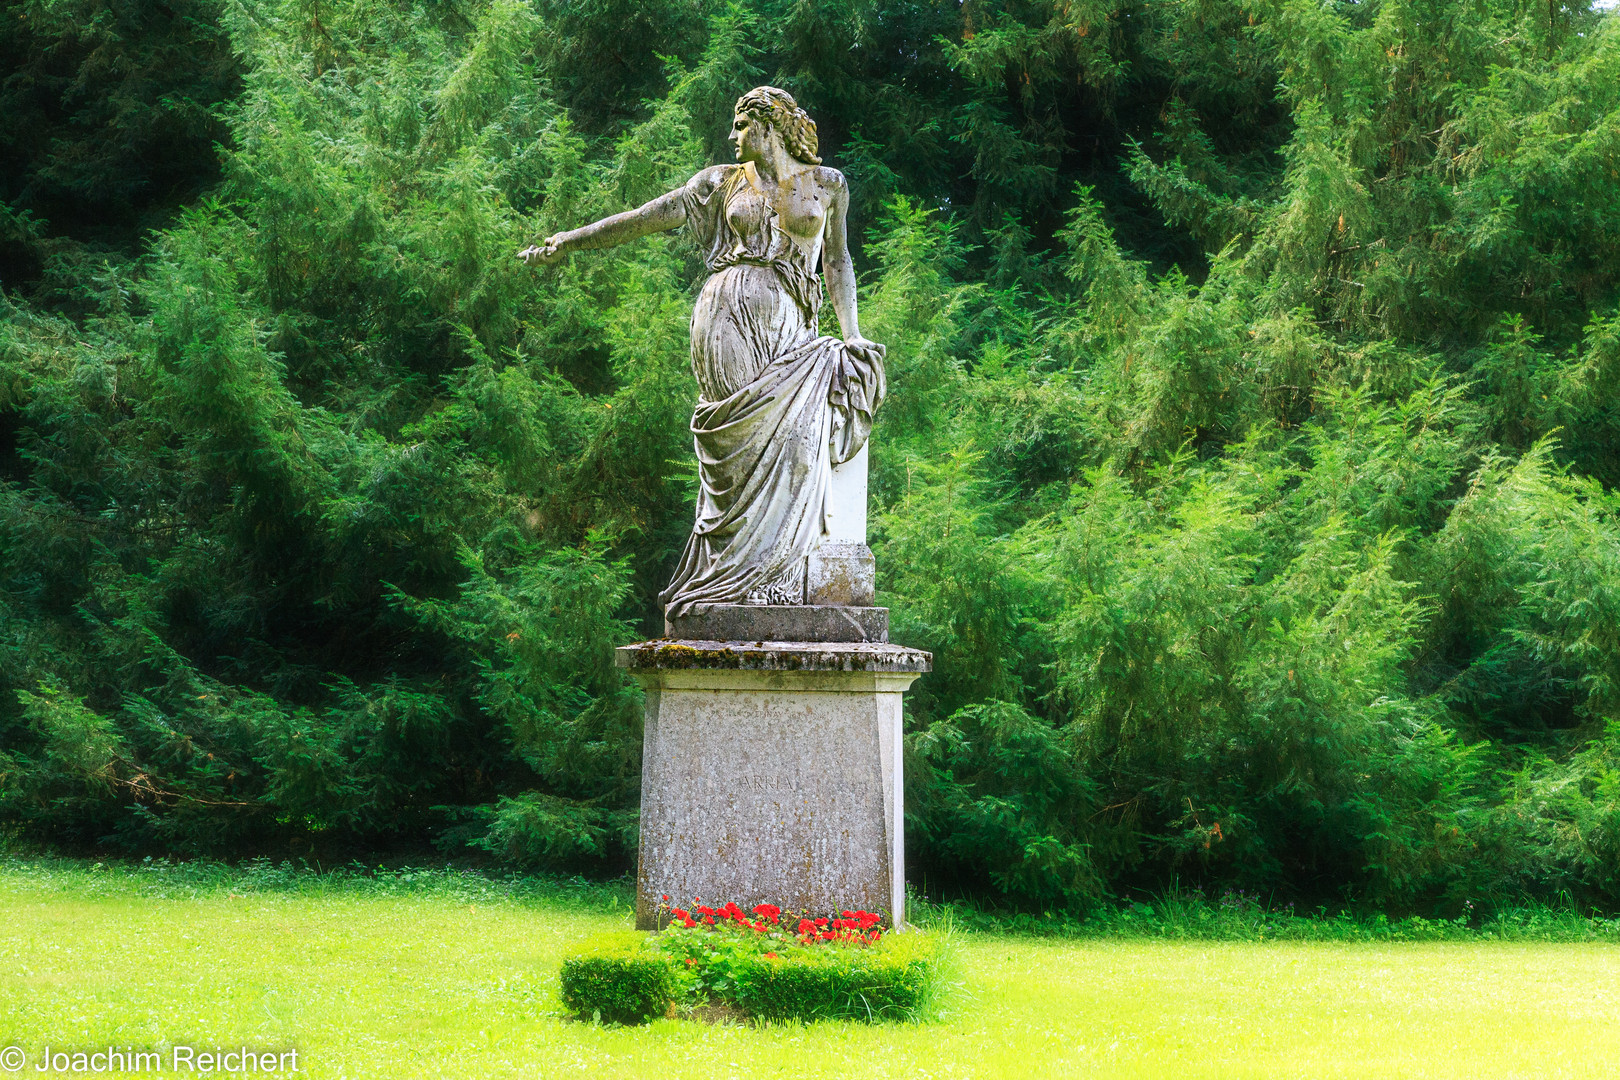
(768,967)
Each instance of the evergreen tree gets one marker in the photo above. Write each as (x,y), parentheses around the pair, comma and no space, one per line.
(1249,465)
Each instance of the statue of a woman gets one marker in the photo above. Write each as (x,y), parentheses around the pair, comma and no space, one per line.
(778,406)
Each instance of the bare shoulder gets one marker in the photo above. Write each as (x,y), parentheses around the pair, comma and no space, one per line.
(831,178)
(709,180)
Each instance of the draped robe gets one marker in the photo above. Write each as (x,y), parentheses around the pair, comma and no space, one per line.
(778,405)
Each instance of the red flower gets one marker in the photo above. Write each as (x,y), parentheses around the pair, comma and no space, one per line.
(666,898)
(770,956)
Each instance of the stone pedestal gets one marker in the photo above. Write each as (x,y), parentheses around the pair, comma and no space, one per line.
(771,773)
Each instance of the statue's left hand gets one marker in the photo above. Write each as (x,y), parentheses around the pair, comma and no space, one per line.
(871,349)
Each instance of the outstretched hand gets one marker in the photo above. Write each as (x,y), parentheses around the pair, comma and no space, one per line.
(548,251)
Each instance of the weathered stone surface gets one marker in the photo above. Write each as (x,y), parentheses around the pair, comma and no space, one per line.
(780,622)
(772,773)
(797,656)
(841,573)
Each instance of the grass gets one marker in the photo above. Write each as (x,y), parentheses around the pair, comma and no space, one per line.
(449,974)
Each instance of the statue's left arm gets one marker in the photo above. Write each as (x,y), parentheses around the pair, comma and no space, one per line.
(837,267)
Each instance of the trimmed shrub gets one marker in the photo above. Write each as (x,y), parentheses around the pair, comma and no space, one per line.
(834,968)
(893,980)
(614,978)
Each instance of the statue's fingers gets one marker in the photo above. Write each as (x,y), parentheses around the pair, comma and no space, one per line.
(867,350)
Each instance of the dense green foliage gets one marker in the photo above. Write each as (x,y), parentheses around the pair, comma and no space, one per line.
(111,116)
(1248,465)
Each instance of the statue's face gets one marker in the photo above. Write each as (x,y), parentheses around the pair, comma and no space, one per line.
(751,137)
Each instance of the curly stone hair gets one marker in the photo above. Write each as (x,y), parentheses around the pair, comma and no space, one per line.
(777,108)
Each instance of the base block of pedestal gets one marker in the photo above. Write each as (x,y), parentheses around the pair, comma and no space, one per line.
(780,622)
(771,773)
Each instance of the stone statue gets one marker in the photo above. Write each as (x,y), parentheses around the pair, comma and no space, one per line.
(778,405)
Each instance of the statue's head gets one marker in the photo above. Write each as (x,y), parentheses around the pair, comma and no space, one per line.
(766,113)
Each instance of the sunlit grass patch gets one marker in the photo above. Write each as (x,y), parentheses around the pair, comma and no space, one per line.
(455,975)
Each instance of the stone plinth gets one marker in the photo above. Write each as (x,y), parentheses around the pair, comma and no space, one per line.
(780,622)
(771,773)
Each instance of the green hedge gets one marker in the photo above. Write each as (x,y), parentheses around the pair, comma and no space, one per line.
(862,984)
(631,979)
(617,980)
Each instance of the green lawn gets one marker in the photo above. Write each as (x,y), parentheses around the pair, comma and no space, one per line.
(372,984)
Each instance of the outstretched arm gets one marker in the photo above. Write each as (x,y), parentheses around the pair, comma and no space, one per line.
(839,270)
(660,215)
